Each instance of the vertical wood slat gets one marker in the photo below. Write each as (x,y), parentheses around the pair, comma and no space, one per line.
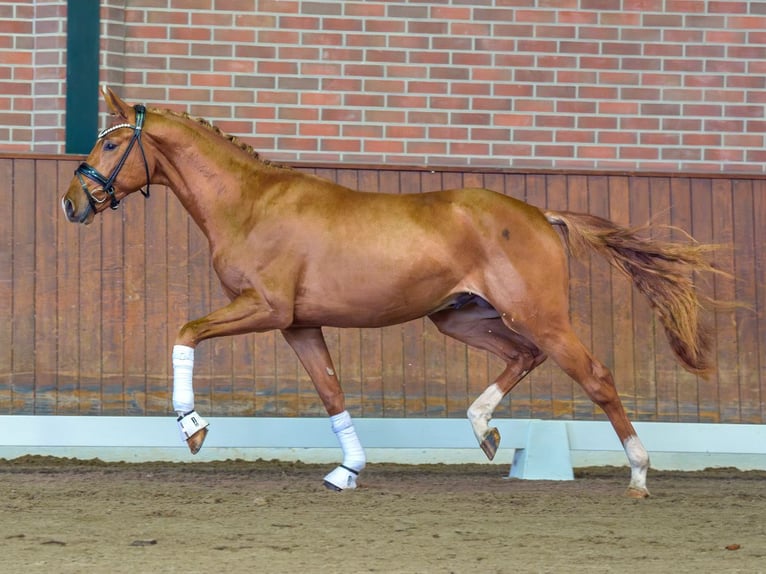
(745,289)
(623,367)
(67,304)
(45,300)
(702,230)
(23,341)
(685,383)
(134,322)
(644,352)
(723,233)
(88,315)
(6,291)
(759,267)
(665,374)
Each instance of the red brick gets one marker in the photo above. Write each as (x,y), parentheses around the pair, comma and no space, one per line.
(385,116)
(630,152)
(301,114)
(512,150)
(448,133)
(644,5)
(345,24)
(597,152)
(281,6)
(384,146)
(513,119)
(278,97)
(554,150)
(535,135)
(341,84)
(469,148)
(722,155)
(384,26)
(366,40)
(449,103)
(300,22)
(428,117)
(405,132)
(618,137)
(576,107)
(340,115)
(619,108)
(498,45)
(319,130)
(368,9)
(634,123)
(407,12)
(362,131)
(701,140)
(386,56)
(320,99)
(427,27)
(430,147)
(364,100)
(555,121)
(286,143)
(426,57)
(660,138)
(744,111)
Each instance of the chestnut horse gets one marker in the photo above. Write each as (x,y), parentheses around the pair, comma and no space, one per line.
(295,252)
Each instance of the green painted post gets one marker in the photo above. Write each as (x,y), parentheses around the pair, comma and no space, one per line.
(83,35)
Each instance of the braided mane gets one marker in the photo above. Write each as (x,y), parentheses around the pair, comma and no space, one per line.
(245,147)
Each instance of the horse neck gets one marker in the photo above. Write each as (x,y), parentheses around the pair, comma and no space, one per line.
(207,173)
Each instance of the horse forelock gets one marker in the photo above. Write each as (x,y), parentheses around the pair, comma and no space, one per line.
(244,146)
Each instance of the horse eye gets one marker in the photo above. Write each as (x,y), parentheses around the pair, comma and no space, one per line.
(109,145)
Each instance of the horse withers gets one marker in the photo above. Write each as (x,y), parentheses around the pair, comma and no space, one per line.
(295,252)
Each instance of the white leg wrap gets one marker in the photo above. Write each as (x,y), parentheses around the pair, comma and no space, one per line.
(183,368)
(354,459)
(480,411)
(639,462)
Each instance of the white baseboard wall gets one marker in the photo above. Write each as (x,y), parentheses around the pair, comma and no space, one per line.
(672,446)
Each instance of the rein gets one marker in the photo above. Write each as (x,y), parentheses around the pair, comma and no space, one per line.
(107,183)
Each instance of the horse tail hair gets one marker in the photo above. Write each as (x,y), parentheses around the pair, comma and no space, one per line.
(661,270)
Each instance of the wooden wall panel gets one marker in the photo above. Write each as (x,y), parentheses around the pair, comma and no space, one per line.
(88,315)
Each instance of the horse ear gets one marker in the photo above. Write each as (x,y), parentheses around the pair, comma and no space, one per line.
(116,106)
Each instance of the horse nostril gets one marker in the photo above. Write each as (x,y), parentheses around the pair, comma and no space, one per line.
(68,206)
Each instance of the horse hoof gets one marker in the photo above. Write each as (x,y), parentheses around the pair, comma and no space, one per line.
(635,492)
(195,441)
(330,486)
(490,443)
(341,478)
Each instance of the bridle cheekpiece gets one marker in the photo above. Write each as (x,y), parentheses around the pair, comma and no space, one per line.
(107,183)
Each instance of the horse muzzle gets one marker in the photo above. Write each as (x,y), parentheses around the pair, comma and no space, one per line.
(70,210)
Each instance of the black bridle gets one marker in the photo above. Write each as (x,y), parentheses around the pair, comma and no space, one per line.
(107,183)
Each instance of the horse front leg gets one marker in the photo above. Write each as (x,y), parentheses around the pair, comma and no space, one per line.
(310,346)
(245,314)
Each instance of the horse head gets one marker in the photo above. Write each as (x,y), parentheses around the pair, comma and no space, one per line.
(119,152)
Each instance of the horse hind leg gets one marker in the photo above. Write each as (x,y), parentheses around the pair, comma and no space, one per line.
(482,327)
(596,380)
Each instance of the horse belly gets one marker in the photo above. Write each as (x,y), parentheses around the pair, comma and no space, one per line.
(374,299)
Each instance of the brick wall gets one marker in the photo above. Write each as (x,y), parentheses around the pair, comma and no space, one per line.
(32,75)
(671,85)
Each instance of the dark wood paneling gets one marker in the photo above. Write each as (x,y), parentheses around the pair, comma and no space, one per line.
(88,315)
